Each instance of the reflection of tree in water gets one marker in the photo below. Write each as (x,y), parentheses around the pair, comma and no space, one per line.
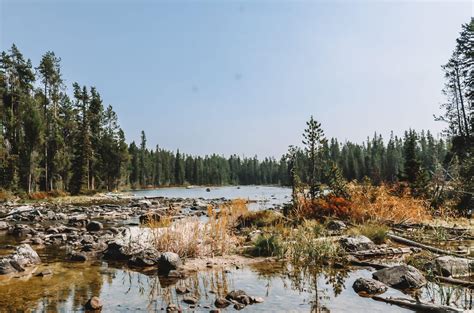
(317,280)
(449,295)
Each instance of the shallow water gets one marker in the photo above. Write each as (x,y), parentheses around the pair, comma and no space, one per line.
(266,196)
(285,289)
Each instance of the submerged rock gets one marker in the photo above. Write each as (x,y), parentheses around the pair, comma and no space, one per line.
(93,304)
(78,257)
(369,286)
(401,277)
(357,243)
(453,266)
(24,256)
(190,300)
(168,261)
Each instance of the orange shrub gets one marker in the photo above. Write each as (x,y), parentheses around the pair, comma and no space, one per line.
(368,203)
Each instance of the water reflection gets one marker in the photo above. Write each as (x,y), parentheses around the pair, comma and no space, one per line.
(285,288)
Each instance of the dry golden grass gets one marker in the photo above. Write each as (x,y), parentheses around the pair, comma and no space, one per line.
(190,237)
(380,203)
(368,203)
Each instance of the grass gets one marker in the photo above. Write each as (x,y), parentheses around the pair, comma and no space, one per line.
(259,219)
(375,232)
(190,238)
(367,203)
(268,245)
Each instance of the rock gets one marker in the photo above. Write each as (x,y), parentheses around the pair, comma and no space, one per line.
(369,286)
(190,300)
(453,266)
(208,189)
(215,311)
(46,272)
(222,303)
(93,304)
(401,277)
(21,230)
(357,243)
(145,203)
(150,217)
(234,294)
(244,299)
(254,235)
(78,257)
(168,261)
(23,256)
(3,225)
(94,226)
(180,290)
(239,306)
(145,258)
(117,252)
(257,299)
(336,225)
(172,308)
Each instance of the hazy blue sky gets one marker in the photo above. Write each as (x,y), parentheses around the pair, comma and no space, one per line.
(243,77)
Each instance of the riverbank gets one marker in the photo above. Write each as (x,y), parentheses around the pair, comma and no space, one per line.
(190,252)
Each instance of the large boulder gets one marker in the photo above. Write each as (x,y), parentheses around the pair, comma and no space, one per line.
(168,261)
(401,277)
(23,257)
(453,266)
(356,243)
(369,286)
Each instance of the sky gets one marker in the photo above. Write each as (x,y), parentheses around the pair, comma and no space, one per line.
(242,78)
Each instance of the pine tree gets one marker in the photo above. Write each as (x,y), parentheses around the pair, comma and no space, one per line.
(313,141)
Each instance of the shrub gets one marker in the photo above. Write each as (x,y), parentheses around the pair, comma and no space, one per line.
(375,232)
(259,219)
(268,245)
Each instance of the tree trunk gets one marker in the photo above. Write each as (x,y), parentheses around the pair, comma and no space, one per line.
(458,82)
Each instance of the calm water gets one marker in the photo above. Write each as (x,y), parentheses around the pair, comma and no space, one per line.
(265,195)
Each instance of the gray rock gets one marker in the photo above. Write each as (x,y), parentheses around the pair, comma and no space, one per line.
(369,286)
(94,226)
(453,266)
(145,258)
(356,243)
(234,294)
(168,261)
(3,225)
(336,225)
(117,252)
(401,277)
(23,256)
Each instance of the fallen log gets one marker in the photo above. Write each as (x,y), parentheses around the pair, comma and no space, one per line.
(417,305)
(454,281)
(384,252)
(409,242)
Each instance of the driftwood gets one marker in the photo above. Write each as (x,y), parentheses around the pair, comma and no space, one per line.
(417,305)
(454,281)
(451,230)
(19,210)
(409,242)
(357,262)
(384,252)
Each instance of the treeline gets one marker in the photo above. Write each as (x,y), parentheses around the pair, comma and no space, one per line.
(50,140)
